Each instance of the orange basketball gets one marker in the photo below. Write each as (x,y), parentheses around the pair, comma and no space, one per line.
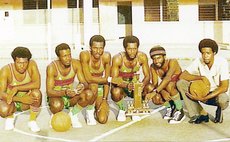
(61,122)
(199,88)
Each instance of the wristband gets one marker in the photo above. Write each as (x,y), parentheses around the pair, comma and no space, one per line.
(155,90)
(109,79)
(103,98)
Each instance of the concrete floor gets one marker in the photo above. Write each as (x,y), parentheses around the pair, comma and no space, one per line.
(149,128)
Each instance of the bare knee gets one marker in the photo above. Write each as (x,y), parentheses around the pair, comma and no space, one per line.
(6,109)
(38,95)
(86,97)
(56,105)
(102,116)
(116,94)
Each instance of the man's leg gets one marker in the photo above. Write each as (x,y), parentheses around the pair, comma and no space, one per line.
(117,95)
(7,111)
(193,107)
(222,103)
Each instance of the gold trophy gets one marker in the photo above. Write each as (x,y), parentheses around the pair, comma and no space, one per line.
(137,106)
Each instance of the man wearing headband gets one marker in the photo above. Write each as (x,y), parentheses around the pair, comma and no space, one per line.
(214,71)
(126,66)
(96,68)
(165,73)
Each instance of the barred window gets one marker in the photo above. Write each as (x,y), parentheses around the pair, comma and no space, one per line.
(207,10)
(124,10)
(34,4)
(224,10)
(168,9)
(95,4)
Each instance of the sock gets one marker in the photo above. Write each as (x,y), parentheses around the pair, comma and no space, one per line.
(167,104)
(177,101)
(33,115)
(90,107)
(76,109)
(121,104)
(11,116)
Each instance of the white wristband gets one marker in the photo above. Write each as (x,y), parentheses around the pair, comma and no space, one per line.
(109,79)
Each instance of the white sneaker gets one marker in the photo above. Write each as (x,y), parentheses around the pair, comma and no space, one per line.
(121,116)
(33,126)
(74,120)
(136,118)
(90,117)
(9,124)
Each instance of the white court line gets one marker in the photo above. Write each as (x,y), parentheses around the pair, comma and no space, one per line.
(39,136)
(124,126)
(219,140)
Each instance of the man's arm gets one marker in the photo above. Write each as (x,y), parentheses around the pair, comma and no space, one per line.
(79,73)
(3,82)
(35,78)
(50,75)
(107,61)
(219,90)
(145,68)
(173,66)
(84,58)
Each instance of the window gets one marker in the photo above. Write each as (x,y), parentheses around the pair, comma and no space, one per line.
(35,4)
(167,9)
(124,10)
(95,4)
(72,3)
(214,10)
(224,10)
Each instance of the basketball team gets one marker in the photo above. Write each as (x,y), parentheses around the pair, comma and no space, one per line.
(97,74)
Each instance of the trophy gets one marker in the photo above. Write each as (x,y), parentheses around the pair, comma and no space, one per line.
(137,106)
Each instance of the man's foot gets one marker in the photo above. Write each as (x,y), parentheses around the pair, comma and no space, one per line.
(169,113)
(178,117)
(202,118)
(121,116)
(136,118)
(74,120)
(193,119)
(90,117)
(33,126)
(9,124)
(219,115)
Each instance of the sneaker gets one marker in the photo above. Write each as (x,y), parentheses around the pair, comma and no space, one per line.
(136,118)
(90,117)
(121,116)
(202,118)
(193,119)
(9,124)
(169,113)
(219,115)
(33,126)
(74,120)
(178,117)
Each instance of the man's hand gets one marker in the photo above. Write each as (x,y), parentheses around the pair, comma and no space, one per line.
(195,97)
(70,93)
(149,96)
(10,95)
(28,99)
(79,89)
(166,96)
(130,87)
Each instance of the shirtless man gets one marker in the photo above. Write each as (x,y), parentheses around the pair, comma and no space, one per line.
(165,73)
(60,88)
(19,88)
(126,65)
(96,68)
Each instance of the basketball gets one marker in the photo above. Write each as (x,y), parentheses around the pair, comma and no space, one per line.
(199,88)
(61,122)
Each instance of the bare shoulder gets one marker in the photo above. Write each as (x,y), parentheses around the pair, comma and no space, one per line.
(32,63)
(76,64)
(117,58)
(142,56)
(107,56)
(5,69)
(84,55)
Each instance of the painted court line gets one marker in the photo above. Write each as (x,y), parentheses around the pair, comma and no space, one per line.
(39,136)
(123,126)
(220,140)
